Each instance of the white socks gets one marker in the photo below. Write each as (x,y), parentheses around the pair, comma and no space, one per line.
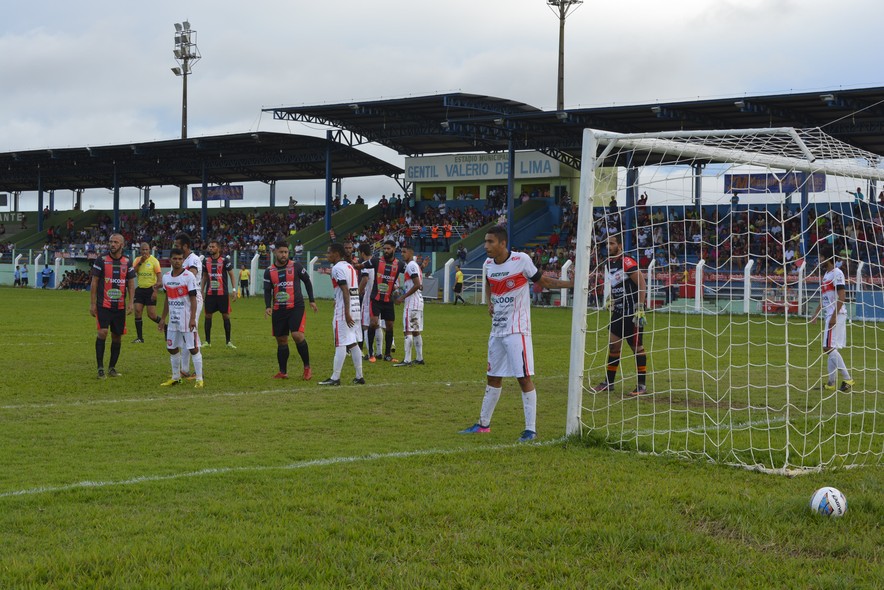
(409,340)
(489,402)
(198,365)
(529,401)
(356,355)
(418,343)
(340,355)
(176,365)
(185,359)
(836,363)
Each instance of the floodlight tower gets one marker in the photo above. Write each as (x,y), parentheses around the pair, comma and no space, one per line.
(562,9)
(186,54)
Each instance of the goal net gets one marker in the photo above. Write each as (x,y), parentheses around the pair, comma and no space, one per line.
(727,237)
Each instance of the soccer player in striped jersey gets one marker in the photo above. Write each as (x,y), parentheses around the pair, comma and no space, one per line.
(217,270)
(627,315)
(112,277)
(345,323)
(413,315)
(387,269)
(284,304)
(833,291)
(510,352)
(180,309)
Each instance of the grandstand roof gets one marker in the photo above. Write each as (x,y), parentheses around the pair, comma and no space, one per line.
(458,122)
(234,158)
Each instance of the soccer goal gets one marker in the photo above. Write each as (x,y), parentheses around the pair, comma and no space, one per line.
(733,232)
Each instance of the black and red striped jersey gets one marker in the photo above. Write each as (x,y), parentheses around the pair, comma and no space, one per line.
(386,275)
(282,286)
(215,271)
(114,275)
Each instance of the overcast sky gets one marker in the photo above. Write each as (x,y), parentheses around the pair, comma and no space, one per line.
(97,72)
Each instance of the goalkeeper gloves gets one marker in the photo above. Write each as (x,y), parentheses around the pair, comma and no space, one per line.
(640,320)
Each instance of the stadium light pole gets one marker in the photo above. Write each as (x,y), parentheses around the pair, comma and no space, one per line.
(186,54)
(562,9)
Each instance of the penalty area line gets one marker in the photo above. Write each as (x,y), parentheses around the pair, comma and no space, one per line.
(261,468)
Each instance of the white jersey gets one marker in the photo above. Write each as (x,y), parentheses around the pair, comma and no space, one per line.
(369,285)
(415,301)
(511,294)
(344,271)
(178,290)
(831,281)
(192,261)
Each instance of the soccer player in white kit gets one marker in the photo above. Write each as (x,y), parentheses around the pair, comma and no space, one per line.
(180,309)
(832,302)
(510,353)
(413,316)
(192,263)
(345,324)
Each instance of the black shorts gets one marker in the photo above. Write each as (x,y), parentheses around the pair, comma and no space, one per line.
(17,283)
(115,319)
(286,321)
(458,287)
(625,328)
(144,296)
(24,281)
(215,303)
(243,285)
(386,310)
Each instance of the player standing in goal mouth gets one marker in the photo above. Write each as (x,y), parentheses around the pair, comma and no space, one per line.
(834,294)
(627,315)
(510,352)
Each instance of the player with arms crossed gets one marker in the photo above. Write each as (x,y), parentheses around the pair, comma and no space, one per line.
(413,315)
(832,301)
(387,269)
(284,304)
(112,277)
(180,309)
(216,294)
(510,352)
(192,263)
(345,323)
(627,315)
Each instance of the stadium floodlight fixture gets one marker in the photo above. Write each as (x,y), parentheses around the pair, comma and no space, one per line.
(740,104)
(445,125)
(178,27)
(186,25)
(562,9)
(562,116)
(827,97)
(176,71)
(498,121)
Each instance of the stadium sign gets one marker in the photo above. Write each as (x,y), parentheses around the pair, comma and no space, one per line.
(219,193)
(479,167)
(786,182)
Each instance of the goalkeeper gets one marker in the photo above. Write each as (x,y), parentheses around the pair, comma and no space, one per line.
(627,315)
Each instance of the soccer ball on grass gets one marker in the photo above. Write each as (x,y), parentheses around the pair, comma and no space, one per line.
(829,502)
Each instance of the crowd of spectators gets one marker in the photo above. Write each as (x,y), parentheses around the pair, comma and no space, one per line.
(75,280)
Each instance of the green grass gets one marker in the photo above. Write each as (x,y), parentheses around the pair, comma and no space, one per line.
(253,483)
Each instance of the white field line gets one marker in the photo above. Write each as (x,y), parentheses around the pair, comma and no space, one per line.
(255,469)
(209,395)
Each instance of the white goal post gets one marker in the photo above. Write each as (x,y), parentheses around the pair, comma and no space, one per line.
(734,242)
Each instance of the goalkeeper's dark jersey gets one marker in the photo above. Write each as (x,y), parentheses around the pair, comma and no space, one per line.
(624,292)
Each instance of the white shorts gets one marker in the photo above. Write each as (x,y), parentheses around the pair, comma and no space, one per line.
(344,334)
(837,336)
(413,320)
(510,356)
(366,312)
(179,340)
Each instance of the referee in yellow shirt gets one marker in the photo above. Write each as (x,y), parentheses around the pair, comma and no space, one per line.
(458,286)
(244,276)
(149,273)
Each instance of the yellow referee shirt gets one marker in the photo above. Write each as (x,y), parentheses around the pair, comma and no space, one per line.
(147,271)
(244,275)
(458,277)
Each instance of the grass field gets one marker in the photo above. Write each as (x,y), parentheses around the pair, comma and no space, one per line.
(254,483)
